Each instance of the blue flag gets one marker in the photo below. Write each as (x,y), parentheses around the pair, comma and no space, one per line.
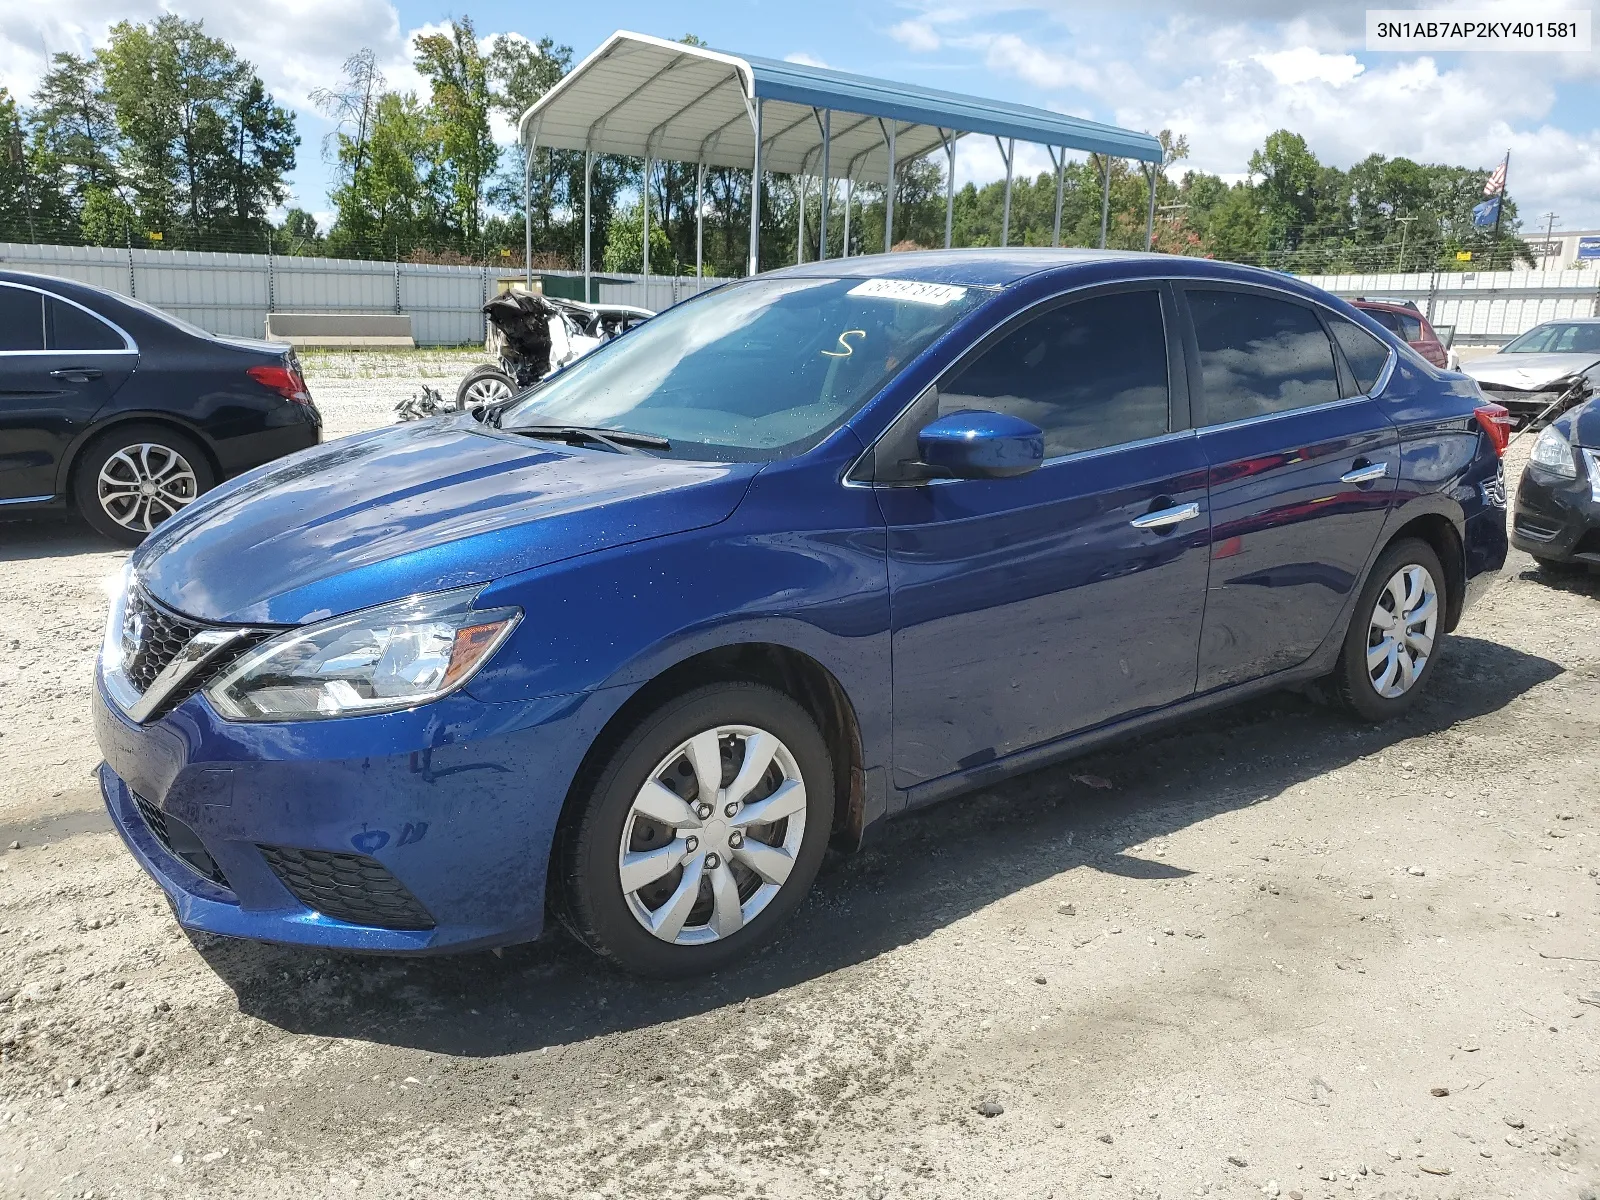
(1487,212)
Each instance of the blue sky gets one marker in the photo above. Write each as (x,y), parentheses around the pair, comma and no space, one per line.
(1225,73)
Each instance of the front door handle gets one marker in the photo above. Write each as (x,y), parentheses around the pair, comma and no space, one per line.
(76,374)
(1167,517)
(1367,474)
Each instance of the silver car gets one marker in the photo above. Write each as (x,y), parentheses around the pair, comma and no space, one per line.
(1545,371)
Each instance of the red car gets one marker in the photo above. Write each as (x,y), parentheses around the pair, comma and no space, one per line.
(1406,322)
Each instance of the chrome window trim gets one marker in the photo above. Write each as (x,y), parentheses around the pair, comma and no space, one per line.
(129,346)
(1177,281)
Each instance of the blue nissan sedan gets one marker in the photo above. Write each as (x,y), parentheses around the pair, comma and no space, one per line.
(796,556)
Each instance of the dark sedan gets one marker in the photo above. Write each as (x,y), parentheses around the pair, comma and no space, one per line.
(127,414)
(1558,501)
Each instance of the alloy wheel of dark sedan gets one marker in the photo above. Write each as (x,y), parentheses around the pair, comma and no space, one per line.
(133,479)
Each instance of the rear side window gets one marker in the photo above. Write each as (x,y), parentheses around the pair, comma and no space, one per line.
(1410,327)
(1260,355)
(21,319)
(1365,353)
(71,328)
(1090,374)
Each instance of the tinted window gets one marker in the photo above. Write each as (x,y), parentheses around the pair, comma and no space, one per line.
(1365,353)
(1260,355)
(73,329)
(1410,327)
(1089,374)
(21,319)
(1387,319)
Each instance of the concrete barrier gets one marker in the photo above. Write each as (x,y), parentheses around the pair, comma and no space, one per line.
(341,329)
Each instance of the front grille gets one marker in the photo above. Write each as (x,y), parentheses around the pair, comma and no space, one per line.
(347,887)
(151,638)
(181,841)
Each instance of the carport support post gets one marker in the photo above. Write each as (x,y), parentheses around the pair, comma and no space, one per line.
(1105,202)
(1009,153)
(827,185)
(1059,157)
(849,199)
(588,271)
(527,220)
(949,185)
(800,229)
(699,220)
(888,190)
(1150,217)
(755,192)
(644,205)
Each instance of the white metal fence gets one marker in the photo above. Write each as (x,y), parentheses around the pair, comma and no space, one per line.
(1485,307)
(233,293)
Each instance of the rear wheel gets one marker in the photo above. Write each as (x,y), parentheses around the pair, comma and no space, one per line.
(1395,634)
(484,386)
(702,833)
(132,478)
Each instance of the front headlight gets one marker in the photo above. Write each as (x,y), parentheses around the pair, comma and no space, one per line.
(379,660)
(1552,454)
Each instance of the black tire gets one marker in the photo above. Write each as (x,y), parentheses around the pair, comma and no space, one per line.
(480,376)
(596,909)
(1555,566)
(1350,681)
(191,473)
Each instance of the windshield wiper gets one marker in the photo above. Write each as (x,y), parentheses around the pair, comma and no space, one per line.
(621,440)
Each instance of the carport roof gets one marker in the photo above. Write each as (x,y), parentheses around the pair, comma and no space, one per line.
(647,97)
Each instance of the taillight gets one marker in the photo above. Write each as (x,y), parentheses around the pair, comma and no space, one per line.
(286,381)
(1496,421)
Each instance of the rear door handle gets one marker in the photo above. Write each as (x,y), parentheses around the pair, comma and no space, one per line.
(76,374)
(1167,517)
(1367,474)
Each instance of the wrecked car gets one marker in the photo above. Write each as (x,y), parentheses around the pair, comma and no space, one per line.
(1548,370)
(536,334)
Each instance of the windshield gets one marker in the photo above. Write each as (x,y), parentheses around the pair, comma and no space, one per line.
(753,371)
(1559,337)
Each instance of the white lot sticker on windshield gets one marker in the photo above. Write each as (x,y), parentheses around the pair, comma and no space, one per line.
(906,289)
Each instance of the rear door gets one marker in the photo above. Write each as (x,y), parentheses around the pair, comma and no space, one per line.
(59,365)
(1024,609)
(1302,468)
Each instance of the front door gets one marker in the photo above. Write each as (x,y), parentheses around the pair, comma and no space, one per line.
(1302,474)
(59,365)
(1025,609)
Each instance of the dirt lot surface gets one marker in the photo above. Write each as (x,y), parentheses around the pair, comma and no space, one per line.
(1270,952)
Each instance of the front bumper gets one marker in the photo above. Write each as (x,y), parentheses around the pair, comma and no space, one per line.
(1559,519)
(456,803)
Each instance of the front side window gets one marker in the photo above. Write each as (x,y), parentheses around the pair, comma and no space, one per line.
(753,371)
(21,319)
(1089,374)
(1260,355)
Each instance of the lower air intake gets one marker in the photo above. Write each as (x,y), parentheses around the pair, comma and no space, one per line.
(347,887)
(181,841)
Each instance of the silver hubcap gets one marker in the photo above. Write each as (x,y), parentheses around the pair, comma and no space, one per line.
(487,391)
(141,486)
(712,835)
(1400,634)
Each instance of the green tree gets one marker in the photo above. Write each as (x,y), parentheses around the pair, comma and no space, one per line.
(391,205)
(75,124)
(459,111)
(625,241)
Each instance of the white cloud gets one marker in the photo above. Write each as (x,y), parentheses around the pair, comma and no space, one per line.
(803,59)
(918,36)
(1011,53)
(1303,64)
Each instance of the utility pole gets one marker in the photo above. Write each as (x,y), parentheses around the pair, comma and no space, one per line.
(1405,228)
(1550,219)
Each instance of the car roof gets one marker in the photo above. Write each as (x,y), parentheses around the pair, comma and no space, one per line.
(55,283)
(1000,268)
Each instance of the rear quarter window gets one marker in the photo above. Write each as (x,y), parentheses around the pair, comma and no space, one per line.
(1364,354)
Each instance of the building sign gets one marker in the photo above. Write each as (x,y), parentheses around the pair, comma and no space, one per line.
(1545,249)
(1589,247)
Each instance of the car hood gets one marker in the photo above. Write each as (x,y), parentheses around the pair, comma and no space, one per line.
(1529,372)
(415,508)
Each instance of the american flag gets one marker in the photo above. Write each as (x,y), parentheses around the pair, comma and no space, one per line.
(1497,181)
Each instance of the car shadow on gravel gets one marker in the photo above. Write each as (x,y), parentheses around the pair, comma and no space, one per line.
(920,874)
(49,535)
(1578,581)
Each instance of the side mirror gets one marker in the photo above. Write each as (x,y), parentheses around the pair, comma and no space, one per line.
(974,444)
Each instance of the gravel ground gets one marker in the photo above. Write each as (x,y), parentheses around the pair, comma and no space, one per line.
(1270,952)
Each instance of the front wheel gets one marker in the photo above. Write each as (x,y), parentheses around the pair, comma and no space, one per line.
(1396,633)
(701,833)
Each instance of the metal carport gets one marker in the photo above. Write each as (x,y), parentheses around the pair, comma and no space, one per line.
(645,97)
